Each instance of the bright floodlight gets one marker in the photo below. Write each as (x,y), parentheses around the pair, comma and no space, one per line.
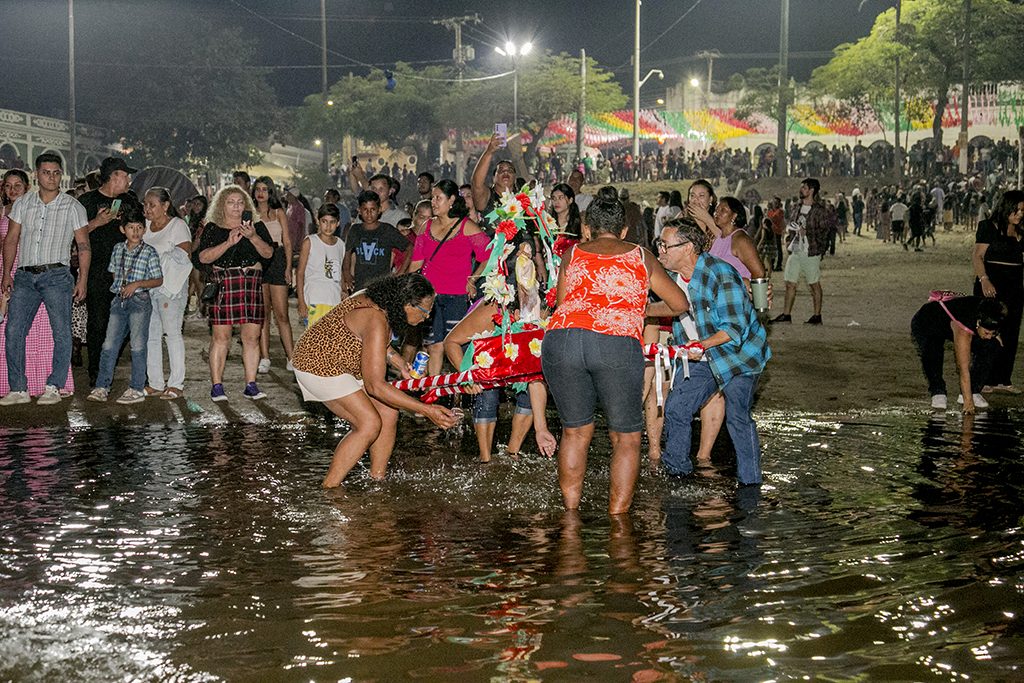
(316,142)
(510,47)
(694,82)
(500,51)
(330,103)
(525,48)
(661,101)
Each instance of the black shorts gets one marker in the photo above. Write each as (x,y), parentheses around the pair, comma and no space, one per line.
(274,274)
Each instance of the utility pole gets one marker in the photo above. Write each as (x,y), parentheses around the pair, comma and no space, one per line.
(898,158)
(71,87)
(782,151)
(582,112)
(636,87)
(710,56)
(460,56)
(323,68)
(965,113)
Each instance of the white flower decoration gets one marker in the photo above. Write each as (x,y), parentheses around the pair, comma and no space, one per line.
(511,351)
(535,347)
(484,360)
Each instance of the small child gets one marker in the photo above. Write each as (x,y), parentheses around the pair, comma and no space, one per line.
(319,276)
(136,269)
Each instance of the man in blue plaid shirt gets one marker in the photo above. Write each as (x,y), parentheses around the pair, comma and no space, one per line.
(735,348)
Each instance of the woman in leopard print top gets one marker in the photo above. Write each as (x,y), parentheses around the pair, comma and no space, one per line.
(341,361)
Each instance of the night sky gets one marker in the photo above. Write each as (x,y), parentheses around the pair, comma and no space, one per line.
(34,54)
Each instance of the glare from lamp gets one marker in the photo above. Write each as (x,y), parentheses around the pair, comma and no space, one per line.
(317,142)
(525,49)
(694,82)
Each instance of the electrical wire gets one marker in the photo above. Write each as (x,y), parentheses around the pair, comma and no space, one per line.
(361,63)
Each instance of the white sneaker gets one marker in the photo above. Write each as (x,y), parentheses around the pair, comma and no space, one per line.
(99,394)
(939,401)
(132,396)
(50,396)
(979,400)
(264,366)
(15,398)
(289,367)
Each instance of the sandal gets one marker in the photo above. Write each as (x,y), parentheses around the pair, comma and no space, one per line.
(171,394)
(151,392)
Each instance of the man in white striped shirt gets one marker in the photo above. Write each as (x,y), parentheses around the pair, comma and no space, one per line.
(42,225)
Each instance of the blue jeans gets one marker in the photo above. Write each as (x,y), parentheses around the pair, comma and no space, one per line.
(485,407)
(54,288)
(127,315)
(686,399)
(583,367)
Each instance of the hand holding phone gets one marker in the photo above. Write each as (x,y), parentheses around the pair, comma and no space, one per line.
(115,207)
(501,130)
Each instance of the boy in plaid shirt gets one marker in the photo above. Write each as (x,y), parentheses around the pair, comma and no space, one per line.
(136,269)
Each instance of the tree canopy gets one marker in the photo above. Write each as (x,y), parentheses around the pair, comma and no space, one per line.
(930,47)
(208,109)
(427,104)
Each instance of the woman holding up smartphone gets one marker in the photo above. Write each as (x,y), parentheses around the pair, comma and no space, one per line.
(238,250)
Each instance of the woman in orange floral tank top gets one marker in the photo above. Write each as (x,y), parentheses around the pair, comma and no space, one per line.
(593,350)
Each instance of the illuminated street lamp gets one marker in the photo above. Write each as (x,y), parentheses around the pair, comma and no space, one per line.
(511,51)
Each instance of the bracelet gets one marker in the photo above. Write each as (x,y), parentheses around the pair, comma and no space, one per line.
(983,277)
(391,352)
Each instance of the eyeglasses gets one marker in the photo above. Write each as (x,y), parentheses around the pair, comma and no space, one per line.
(422,310)
(659,245)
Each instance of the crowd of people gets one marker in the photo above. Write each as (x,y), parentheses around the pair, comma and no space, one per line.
(378,290)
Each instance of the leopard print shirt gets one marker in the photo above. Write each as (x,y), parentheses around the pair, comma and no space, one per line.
(330,348)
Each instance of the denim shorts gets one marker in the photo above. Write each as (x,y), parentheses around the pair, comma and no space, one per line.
(582,367)
(449,310)
(485,408)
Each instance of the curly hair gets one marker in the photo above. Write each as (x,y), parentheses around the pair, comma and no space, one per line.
(215,214)
(394,292)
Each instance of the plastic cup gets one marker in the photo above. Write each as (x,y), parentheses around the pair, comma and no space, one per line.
(759,289)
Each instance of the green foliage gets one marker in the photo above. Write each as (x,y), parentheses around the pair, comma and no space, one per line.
(208,111)
(311,180)
(761,94)
(930,47)
(421,111)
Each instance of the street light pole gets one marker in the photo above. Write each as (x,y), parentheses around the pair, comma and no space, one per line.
(323,69)
(71,87)
(781,167)
(636,86)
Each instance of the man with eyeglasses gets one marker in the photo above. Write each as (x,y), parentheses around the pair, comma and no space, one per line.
(734,345)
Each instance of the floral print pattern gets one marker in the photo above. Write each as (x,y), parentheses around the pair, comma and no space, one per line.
(605,294)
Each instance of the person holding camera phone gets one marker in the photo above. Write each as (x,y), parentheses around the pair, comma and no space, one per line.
(238,250)
(102,208)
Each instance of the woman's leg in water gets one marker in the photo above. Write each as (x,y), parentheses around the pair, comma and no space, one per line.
(358,410)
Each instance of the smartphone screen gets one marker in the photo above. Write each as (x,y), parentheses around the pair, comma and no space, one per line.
(501,129)
(115,206)
(246,216)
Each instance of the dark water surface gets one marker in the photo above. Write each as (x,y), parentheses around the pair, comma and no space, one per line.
(883,547)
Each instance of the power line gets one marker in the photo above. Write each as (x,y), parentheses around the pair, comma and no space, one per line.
(672,26)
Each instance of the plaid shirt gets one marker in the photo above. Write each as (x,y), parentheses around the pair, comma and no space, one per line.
(141,264)
(719,301)
(47,230)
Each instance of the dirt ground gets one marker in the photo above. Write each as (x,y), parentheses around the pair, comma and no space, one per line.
(861,358)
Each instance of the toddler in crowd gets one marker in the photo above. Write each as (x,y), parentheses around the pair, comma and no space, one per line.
(319,275)
(136,269)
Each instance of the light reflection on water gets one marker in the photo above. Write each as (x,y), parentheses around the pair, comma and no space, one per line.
(883,546)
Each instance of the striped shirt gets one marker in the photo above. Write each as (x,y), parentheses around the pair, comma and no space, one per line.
(47,230)
(719,301)
(132,266)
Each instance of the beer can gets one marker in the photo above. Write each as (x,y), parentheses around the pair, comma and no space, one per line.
(419,366)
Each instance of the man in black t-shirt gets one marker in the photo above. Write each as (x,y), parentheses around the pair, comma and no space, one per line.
(104,234)
(369,246)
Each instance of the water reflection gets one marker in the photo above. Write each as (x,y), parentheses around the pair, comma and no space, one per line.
(885,547)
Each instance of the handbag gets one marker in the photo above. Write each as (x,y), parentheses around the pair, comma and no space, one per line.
(210,292)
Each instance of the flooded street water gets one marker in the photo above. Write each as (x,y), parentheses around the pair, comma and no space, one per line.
(883,547)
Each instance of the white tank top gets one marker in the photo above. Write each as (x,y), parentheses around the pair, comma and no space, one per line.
(322,284)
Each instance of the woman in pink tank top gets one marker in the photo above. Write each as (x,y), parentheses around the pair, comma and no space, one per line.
(734,245)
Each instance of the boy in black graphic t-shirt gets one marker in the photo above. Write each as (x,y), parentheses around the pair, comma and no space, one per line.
(368,249)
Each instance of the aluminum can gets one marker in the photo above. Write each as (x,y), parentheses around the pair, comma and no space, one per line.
(419,366)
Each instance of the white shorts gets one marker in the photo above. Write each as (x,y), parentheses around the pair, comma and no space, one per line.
(317,388)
